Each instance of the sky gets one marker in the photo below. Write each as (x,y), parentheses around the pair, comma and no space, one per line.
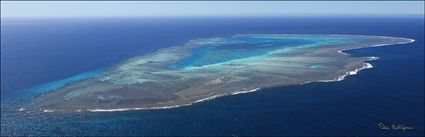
(204,8)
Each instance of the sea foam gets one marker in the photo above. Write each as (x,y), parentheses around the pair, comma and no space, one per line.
(173,106)
(355,71)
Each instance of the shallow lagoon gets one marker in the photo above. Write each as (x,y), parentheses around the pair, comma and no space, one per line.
(392,92)
(208,68)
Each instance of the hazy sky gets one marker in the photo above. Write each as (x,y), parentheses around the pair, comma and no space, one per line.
(202,8)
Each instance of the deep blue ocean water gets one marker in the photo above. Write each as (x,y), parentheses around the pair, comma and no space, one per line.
(39,51)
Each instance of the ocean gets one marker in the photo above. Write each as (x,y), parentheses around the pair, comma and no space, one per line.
(62,50)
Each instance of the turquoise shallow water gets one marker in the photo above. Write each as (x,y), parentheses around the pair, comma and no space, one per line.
(245,47)
(209,54)
(392,92)
(26,95)
(317,66)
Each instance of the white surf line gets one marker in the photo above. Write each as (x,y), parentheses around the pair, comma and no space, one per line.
(48,110)
(155,108)
(342,77)
(365,64)
(377,45)
(165,107)
(353,72)
(174,106)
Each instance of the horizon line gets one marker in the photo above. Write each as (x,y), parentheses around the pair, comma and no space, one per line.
(235,15)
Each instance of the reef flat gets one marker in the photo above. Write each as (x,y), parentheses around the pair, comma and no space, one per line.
(204,69)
